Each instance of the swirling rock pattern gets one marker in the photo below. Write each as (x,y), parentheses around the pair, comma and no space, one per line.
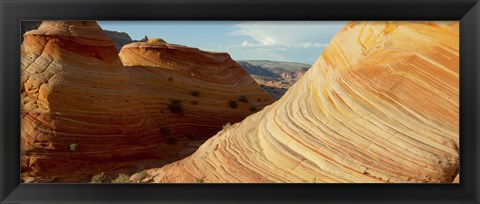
(381,104)
(84,112)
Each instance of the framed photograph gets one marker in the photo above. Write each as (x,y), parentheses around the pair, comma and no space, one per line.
(239,101)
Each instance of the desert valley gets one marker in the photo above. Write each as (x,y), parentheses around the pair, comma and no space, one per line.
(379,105)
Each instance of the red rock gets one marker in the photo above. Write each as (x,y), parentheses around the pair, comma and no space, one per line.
(85,113)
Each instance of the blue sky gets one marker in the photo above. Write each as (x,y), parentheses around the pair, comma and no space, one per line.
(295,41)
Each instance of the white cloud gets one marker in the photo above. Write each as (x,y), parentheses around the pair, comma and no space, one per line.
(287,34)
(277,46)
(291,32)
(312,44)
(286,40)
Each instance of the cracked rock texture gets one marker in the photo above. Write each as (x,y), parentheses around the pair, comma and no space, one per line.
(84,112)
(381,104)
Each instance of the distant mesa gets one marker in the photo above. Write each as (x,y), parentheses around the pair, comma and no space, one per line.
(119,38)
(380,105)
(274,76)
(86,110)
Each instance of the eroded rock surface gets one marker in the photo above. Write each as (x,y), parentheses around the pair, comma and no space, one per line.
(381,104)
(85,112)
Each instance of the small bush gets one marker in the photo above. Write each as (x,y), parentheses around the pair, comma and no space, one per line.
(243,99)
(170,79)
(121,178)
(172,140)
(233,104)
(164,129)
(195,93)
(53,179)
(253,109)
(99,178)
(175,106)
(193,136)
(25,152)
(190,136)
(73,147)
(194,102)
(200,180)
(161,111)
(140,176)
(227,125)
(258,100)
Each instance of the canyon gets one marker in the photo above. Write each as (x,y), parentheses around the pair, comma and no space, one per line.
(380,105)
(275,77)
(90,105)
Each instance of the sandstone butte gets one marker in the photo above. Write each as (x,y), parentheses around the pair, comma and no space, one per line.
(86,110)
(380,105)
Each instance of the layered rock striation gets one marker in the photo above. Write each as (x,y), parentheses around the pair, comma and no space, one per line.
(381,105)
(85,112)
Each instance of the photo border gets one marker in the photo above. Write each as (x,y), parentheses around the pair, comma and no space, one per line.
(14,11)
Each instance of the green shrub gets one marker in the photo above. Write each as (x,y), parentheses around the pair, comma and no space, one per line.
(200,180)
(253,109)
(73,147)
(195,93)
(172,140)
(175,106)
(99,178)
(243,99)
(227,125)
(233,104)
(164,129)
(192,136)
(53,179)
(25,152)
(139,176)
(121,178)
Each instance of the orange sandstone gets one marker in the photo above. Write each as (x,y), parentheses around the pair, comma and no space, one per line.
(84,112)
(381,105)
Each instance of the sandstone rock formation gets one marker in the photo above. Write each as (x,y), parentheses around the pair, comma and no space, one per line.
(119,38)
(381,104)
(84,112)
(29,25)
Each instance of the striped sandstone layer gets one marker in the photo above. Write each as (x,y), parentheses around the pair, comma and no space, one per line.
(380,105)
(84,112)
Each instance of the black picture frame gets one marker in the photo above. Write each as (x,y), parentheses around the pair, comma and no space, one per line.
(13,11)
